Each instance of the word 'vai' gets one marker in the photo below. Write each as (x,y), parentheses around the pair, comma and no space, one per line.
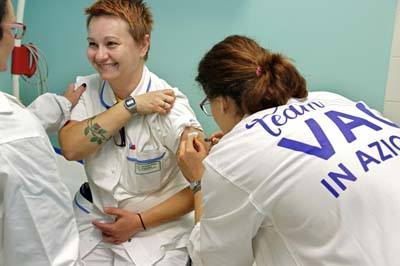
(346,123)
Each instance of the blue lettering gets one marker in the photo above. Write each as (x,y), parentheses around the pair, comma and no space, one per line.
(366,159)
(265,126)
(390,148)
(363,108)
(317,104)
(337,176)
(346,128)
(302,110)
(291,112)
(392,139)
(380,151)
(275,119)
(324,151)
(330,188)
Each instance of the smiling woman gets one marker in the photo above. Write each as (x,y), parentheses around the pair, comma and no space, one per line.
(135,173)
(115,55)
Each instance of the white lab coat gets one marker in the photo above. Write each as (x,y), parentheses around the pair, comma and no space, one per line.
(308,183)
(52,110)
(138,176)
(37,226)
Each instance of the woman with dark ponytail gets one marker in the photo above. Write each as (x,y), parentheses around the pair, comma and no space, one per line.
(297,178)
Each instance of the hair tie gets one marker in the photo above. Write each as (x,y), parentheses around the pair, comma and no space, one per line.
(259,71)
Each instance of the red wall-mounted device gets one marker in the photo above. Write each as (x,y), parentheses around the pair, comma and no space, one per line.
(23,61)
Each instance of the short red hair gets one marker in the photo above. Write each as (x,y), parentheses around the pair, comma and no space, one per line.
(135,12)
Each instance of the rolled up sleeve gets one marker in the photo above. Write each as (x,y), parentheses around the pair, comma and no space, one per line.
(173,124)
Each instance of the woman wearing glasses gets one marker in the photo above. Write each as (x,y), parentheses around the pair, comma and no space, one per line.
(37,225)
(298,178)
(127,128)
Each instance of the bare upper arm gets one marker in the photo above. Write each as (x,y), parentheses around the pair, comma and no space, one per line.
(188,130)
(70,124)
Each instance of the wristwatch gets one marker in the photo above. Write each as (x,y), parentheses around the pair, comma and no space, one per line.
(130,104)
(195,186)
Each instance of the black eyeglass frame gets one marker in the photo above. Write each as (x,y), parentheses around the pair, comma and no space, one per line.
(202,105)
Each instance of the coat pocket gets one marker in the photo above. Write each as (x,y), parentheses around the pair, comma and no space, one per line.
(146,170)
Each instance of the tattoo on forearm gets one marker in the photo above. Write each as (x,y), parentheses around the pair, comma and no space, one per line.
(95,132)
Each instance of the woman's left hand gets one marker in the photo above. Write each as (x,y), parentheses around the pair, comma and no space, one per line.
(155,102)
(190,158)
(73,94)
(125,226)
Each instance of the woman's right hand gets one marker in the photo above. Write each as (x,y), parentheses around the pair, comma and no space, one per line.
(155,102)
(190,158)
(215,137)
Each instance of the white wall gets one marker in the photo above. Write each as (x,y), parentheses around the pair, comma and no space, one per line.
(392,96)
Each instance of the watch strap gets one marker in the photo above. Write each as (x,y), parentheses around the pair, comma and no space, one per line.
(195,186)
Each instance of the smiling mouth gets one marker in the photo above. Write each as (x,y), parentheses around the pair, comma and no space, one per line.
(107,66)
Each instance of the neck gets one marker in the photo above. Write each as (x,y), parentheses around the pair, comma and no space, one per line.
(233,121)
(123,87)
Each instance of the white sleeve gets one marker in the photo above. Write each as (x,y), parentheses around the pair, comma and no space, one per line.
(230,221)
(173,124)
(39,227)
(53,111)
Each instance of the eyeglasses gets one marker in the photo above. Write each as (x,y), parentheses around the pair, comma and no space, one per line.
(206,107)
(17,29)
(120,138)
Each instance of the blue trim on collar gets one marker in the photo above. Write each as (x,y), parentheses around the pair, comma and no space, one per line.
(103,84)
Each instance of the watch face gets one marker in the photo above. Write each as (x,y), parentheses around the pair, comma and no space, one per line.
(130,102)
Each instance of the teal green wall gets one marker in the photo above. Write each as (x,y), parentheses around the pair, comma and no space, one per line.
(341,46)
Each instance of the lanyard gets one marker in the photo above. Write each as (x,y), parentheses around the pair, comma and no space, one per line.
(103,84)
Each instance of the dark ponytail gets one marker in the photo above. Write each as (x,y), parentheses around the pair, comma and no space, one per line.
(254,77)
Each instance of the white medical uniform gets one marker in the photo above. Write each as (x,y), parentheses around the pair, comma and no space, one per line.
(136,177)
(309,183)
(52,110)
(37,225)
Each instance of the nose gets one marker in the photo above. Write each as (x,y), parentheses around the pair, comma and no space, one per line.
(101,54)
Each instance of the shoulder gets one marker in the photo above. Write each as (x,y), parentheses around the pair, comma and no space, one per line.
(93,89)
(158,83)
(234,152)
(326,95)
(93,83)
(92,80)
(181,105)
(161,84)
(6,102)
(16,121)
